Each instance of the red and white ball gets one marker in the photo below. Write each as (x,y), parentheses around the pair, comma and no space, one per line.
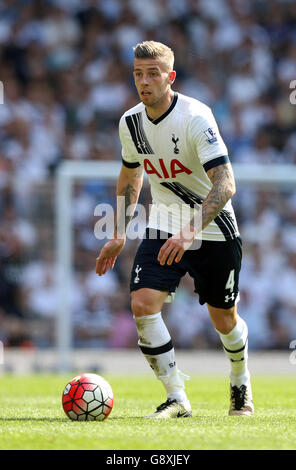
(88,397)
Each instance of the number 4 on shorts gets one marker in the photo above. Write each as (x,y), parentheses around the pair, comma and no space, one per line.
(230,282)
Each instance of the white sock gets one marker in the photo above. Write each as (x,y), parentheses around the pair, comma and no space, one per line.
(235,345)
(156,345)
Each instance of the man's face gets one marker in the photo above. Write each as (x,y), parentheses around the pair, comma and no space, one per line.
(153,79)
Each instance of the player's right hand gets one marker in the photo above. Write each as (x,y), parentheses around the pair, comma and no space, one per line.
(108,255)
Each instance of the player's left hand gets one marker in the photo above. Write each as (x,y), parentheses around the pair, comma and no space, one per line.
(174,248)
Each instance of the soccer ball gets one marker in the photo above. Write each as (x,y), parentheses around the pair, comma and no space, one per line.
(88,397)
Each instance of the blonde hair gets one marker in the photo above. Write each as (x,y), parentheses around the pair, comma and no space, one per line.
(154,50)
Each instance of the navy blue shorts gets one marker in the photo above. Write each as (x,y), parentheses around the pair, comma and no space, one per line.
(215,268)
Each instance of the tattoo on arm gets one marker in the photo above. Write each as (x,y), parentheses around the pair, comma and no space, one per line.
(222,190)
(131,197)
(138,172)
(127,198)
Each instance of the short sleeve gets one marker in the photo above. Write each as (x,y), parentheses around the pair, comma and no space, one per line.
(128,153)
(207,141)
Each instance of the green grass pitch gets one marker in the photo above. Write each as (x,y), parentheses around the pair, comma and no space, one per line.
(31,416)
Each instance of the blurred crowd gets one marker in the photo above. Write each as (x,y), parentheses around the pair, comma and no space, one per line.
(66,70)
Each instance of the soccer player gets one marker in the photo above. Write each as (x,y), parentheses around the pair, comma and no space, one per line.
(176,141)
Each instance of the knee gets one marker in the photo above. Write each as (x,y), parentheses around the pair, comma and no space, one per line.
(145,302)
(225,325)
(224,320)
(141,307)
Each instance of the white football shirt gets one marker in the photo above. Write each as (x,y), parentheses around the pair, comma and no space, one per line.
(176,150)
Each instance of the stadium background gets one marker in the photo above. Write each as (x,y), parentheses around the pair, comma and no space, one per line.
(66,68)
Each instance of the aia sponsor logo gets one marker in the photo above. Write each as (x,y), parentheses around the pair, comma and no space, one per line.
(165,170)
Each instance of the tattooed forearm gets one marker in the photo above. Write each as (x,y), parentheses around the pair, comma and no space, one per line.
(222,190)
(128,190)
(125,211)
(130,194)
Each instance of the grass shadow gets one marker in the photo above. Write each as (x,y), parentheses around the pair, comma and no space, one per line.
(30,418)
(63,420)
